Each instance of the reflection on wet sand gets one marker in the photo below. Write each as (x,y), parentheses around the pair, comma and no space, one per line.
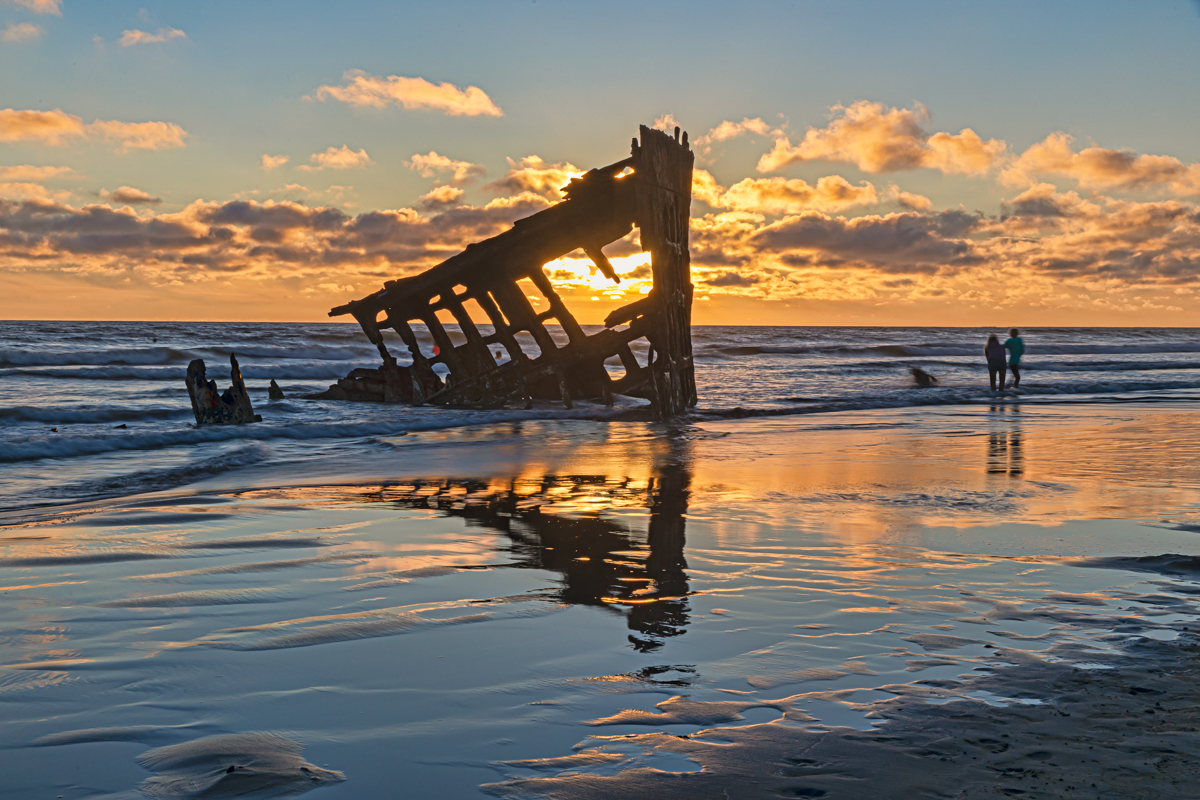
(553,523)
(1004,454)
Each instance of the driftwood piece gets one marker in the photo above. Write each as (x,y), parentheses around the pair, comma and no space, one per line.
(650,190)
(213,407)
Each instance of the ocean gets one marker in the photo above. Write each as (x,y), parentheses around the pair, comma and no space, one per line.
(90,410)
(827,581)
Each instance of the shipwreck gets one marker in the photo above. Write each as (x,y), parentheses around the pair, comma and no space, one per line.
(213,407)
(650,190)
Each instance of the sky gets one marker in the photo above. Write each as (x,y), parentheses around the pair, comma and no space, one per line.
(857,163)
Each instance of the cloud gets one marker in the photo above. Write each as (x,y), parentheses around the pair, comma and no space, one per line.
(28,172)
(434,165)
(293,191)
(733,279)
(336,158)
(32,191)
(780,196)
(130,196)
(47,127)
(903,242)
(302,194)
(908,200)
(533,174)
(705,188)
(1102,168)
(1049,249)
(139,135)
(55,128)
(41,6)
(665,123)
(879,139)
(1045,202)
(21,32)
(441,197)
(273,162)
(130,38)
(362,89)
(270,239)
(775,196)
(731,130)
(728,130)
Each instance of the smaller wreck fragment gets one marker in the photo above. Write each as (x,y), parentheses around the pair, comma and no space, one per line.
(524,354)
(212,407)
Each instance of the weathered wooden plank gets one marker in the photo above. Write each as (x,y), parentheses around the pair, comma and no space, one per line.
(475,350)
(662,177)
(503,334)
(603,215)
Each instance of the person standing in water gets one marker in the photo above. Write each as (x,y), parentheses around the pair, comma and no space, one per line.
(1015,346)
(993,351)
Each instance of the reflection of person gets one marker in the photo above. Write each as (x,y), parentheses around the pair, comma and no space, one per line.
(993,351)
(1015,346)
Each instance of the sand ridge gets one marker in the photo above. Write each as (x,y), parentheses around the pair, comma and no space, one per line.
(1097,733)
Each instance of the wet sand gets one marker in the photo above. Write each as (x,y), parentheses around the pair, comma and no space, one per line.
(936,603)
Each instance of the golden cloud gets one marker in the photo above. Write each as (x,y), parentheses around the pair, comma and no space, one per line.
(964,153)
(130,38)
(28,172)
(907,200)
(32,191)
(433,165)
(1049,249)
(363,89)
(705,188)
(666,123)
(56,127)
(273,162)
(1046,249)
(47,127)
(336,158)
(441,197)
(21,32)
(728,130)
(130,196)
(876,139)
(41,6)
(1103,168)
(139,135)
(271,239)
(781,196)
(534,175)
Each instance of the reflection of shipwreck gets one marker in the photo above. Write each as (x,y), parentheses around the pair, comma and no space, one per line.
(639,574)
(651,190)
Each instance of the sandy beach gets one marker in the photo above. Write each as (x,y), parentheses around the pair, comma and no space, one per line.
(985,601)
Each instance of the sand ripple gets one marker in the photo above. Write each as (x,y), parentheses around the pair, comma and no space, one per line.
(257,765)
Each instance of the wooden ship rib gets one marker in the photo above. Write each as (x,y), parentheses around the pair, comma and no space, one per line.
(650,190)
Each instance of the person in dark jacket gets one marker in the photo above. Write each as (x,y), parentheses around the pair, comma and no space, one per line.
(994,352)
(1016,348)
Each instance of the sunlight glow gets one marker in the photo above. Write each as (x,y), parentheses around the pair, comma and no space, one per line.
(581,275)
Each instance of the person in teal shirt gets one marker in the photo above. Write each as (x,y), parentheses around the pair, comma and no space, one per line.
(1015,346)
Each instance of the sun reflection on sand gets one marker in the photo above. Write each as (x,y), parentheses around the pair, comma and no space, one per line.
(842,571)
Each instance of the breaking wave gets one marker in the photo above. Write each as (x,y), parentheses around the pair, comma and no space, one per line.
(161,356)
(934,350)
